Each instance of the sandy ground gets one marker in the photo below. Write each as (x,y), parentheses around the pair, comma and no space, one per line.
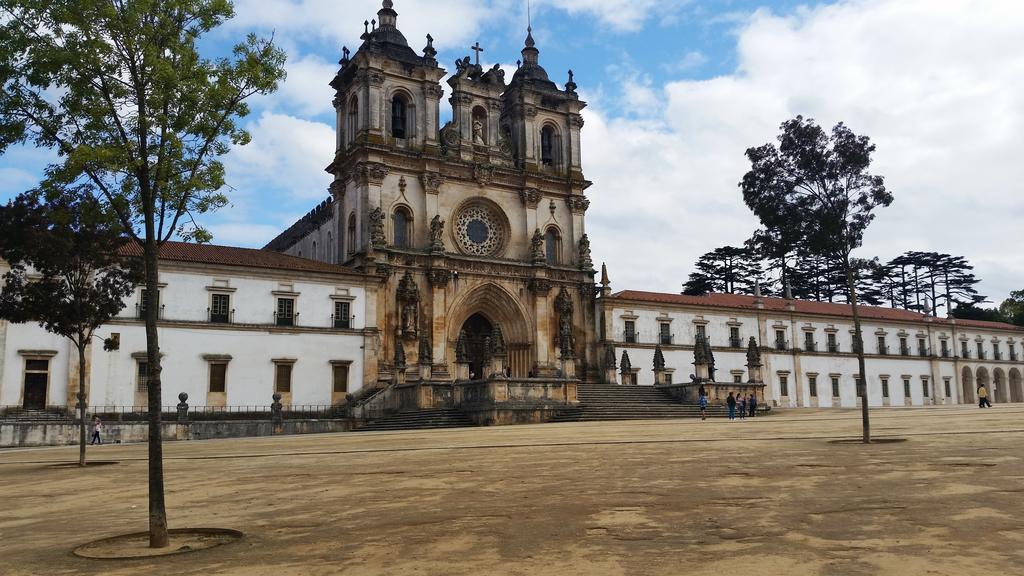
(771,496)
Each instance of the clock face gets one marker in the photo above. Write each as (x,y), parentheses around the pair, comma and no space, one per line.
(479,230)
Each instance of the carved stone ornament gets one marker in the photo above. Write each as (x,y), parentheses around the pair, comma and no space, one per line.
(586,263)
(461,353)
(539,286)
(530,196)
(537,248)
(439,277)
(399,355)
(371,173)
(408,298)
(377,238)
(384,270)
(337,190)
(699,352)
(505,146)
(566,341)
(436,233)
(483,174)
(578,204)
(576,120)
(753,353)
(432,182)
(375,77)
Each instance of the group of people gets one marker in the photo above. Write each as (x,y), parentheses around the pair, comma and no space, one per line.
(746,405)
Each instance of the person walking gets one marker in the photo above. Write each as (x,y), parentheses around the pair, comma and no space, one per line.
(742,407)
(731,401)
(97,427)
(983,397)
(752,405)
(703,407)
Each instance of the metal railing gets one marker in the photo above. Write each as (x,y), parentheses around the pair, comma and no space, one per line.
(781,345)
(629,337)
(220,317)
(810,346)
(833,348)
(666,339)
(170,413)
(735,342)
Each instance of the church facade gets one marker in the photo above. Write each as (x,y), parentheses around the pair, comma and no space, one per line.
(450,268)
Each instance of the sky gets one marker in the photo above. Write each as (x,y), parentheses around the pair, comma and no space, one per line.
(677,91)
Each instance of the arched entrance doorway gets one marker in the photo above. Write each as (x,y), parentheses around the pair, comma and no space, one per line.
(482,308)
(967,386)
(1016,386)
(477,328)
(999,384)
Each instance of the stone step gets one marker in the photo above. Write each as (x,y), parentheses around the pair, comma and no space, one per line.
(420,420)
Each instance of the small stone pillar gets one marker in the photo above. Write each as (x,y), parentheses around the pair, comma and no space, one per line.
(609,365)
(626,369)
(78,406)
(461,358)
(659,366)
(182,408)
(754,366)
(276,409)
(499,353)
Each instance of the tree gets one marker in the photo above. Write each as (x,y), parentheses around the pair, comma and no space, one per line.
(1012,308)
(972,312)
(65,272)
(727,269)
(141,117)
(816,187)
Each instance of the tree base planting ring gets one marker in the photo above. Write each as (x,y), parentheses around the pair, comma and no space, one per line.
(133,546)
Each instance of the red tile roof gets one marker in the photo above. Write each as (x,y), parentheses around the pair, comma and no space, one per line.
(744,302)
(232,256)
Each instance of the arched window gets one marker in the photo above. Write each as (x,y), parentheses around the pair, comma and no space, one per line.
(352,121)
(402,222)
(551,246)
(548,146)
(399,116)
(351,234)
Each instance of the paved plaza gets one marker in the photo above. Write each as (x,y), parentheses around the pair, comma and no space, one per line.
(771,496)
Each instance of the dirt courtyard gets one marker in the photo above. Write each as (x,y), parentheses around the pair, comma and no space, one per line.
(770,496)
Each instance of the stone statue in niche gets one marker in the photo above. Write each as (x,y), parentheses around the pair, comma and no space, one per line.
(566,340)
(408,298)
(478,132)
(377,237)
(436,232)
(537,248)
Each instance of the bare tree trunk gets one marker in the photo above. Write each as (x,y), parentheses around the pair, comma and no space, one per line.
(157,511)
(858,337)
(81,402)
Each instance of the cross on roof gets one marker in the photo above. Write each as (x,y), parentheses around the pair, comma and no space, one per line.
(476,48)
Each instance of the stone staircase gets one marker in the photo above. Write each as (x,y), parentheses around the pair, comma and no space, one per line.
(614,402)
(419,420)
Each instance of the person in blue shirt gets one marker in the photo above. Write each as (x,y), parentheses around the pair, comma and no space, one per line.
(703,407)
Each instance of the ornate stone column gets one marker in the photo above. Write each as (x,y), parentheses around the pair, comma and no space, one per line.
(626,369)
(754,366)
(609,365)
(461,358)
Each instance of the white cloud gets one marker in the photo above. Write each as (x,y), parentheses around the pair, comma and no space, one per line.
(938,86)
(287,155)
(306,90)
(620,15)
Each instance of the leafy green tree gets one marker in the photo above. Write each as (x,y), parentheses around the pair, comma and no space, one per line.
(972,312)
(1012,308)
(120,91)
(727,269)
(65,273)
(816,187)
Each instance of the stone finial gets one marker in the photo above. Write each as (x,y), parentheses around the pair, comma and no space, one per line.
(753,353)
(498,341)
(182,407)
(604,276)
(570,86)
(276,409)
(625,366)
(461,354)
(428,51)
(488,355)
(709,354)
(700,357)
(659,358)
(425,354)
(609,356)
(399,355)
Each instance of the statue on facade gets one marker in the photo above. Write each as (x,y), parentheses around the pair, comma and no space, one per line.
(478,132)
(586,263)
(408,298)
(710,356)
(377,237)
(565,339)
(753,353)
(461,353)
(426,355)
(436,232)
(537,248)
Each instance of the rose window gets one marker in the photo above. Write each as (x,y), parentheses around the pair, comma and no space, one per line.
(479,230)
